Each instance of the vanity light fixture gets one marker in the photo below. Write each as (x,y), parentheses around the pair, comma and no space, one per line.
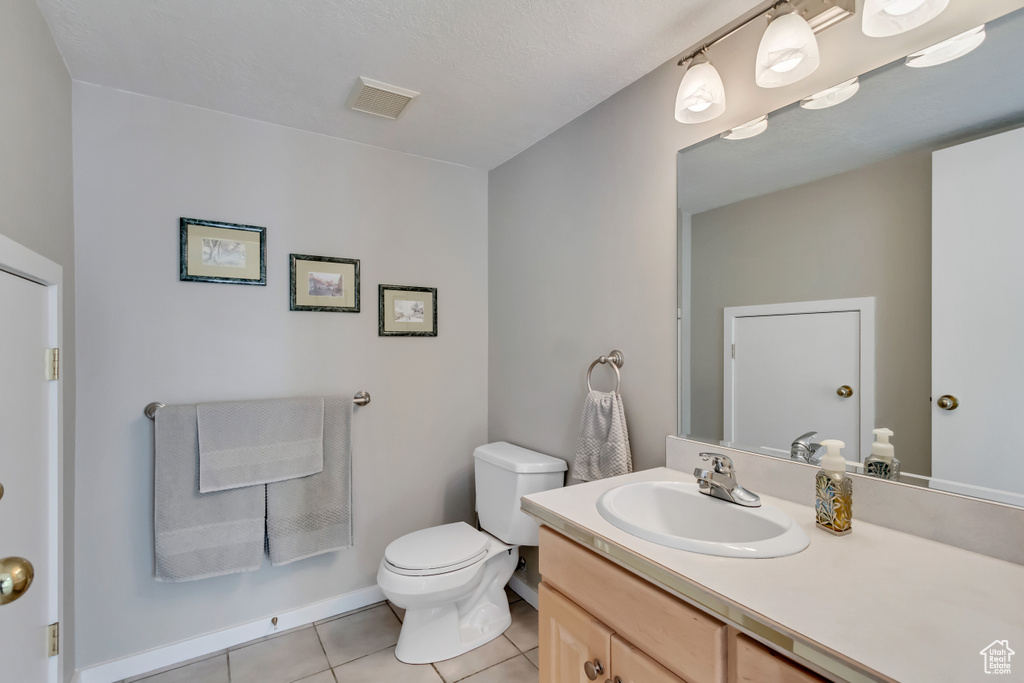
(788,51)
(830,97)
(748,129)
(883,18)
(949,49)
(701,95)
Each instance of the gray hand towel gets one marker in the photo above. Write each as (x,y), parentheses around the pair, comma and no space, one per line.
(602,449)
(199,535)
(243,443)
(313,514)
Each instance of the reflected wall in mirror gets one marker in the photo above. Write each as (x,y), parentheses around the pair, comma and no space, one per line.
(848,203)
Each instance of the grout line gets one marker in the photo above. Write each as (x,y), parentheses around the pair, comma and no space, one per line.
(491,666)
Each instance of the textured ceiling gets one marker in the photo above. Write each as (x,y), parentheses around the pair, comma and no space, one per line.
(496,76)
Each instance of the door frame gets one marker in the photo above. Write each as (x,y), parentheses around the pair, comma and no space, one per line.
(27,264)
(863,305)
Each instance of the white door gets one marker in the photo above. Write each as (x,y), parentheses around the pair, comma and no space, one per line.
(25,403)
(783,375)
(978,311)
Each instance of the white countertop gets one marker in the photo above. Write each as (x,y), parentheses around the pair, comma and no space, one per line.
(903,606)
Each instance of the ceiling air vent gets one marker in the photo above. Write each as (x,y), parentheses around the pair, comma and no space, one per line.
(374,97)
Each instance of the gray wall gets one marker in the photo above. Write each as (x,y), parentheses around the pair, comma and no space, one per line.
(36,203)
(142,163)
(866,232)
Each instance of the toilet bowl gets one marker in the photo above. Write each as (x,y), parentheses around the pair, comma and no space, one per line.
(450,579)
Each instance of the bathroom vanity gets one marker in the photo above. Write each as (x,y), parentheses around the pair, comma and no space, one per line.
(877,605)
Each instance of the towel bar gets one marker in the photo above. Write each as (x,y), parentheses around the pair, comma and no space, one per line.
(362,398)
(616,360)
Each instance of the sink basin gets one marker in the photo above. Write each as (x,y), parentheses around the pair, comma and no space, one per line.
(678,515)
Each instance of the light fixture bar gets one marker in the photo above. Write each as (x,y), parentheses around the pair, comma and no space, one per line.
(820,14)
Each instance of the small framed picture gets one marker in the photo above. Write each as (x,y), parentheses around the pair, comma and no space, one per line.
(407,311)
(223,252)
(324,283)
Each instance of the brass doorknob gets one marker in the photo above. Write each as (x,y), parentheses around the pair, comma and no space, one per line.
(593,669)
(947,402)
(16,574)
(845,391)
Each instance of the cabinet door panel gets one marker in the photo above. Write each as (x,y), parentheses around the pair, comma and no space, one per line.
(751,662)
(569,638)
(630,665)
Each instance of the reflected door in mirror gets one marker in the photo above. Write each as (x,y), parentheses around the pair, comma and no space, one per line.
(978,312)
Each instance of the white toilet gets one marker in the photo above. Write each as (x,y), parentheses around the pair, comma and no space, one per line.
(450,579)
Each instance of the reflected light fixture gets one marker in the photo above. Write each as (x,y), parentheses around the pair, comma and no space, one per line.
(830,97)
(949,49)
(788,51)
(748,129)
(883,18)
(701,95)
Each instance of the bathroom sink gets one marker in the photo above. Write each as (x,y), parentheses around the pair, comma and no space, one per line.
(678,515)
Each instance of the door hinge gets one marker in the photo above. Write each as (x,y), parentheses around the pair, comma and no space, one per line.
(53,640)
(734,352)
(52,364)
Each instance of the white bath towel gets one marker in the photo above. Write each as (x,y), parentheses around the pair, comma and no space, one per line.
(602,449)
(244,443)
(313,514)
(199,535)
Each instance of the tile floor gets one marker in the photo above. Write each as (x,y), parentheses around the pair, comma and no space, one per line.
(360,646)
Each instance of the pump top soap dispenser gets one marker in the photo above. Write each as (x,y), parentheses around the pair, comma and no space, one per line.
(833,505)
(882,463)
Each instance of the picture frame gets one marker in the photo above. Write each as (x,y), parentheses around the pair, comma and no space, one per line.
(405,311)
(323,283)
(227,253)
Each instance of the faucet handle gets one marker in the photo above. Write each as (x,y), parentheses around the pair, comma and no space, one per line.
(722,464)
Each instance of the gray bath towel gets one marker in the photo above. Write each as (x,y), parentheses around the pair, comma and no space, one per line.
(602,449)
(313,515)
(242,443)
(199,535)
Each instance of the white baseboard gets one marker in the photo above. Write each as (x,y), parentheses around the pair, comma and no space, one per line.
(220,640)
(520,588)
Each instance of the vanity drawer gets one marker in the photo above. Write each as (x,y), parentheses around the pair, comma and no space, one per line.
(751,662)
(688,642)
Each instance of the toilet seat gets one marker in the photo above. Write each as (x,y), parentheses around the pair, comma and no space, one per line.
(437,550)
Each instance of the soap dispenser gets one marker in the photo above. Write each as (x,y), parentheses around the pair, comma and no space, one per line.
(833,505)
(882,463)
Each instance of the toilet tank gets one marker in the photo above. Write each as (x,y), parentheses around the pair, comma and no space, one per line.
(505,473)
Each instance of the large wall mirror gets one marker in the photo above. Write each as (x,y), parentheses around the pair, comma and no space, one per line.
(861,267)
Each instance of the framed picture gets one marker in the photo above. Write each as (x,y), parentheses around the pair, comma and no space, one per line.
(223,252)
(407,311)
(324,283)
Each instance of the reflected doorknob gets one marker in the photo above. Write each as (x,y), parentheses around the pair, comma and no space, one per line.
(947,402)
(845,391)
(16,574)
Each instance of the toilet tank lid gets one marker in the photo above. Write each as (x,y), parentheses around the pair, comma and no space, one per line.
(517,459)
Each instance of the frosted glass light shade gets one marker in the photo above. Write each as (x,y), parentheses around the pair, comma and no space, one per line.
(830,97)
(788,51)
(949,49)
(701,95)
(748,129)
(883,18)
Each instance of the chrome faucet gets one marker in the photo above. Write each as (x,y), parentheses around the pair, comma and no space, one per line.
(720,481)
(804,450)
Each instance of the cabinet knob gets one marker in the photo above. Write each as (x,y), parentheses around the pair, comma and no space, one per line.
(947,402)
(593,669)
(845,391)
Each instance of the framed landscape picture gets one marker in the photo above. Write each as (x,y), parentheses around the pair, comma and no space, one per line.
(407,311)
(223,252)
(324,283)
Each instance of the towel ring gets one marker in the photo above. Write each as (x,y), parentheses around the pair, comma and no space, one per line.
(615,359)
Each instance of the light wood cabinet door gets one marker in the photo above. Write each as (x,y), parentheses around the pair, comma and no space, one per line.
(569,639)
(751,662)
(630,665)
